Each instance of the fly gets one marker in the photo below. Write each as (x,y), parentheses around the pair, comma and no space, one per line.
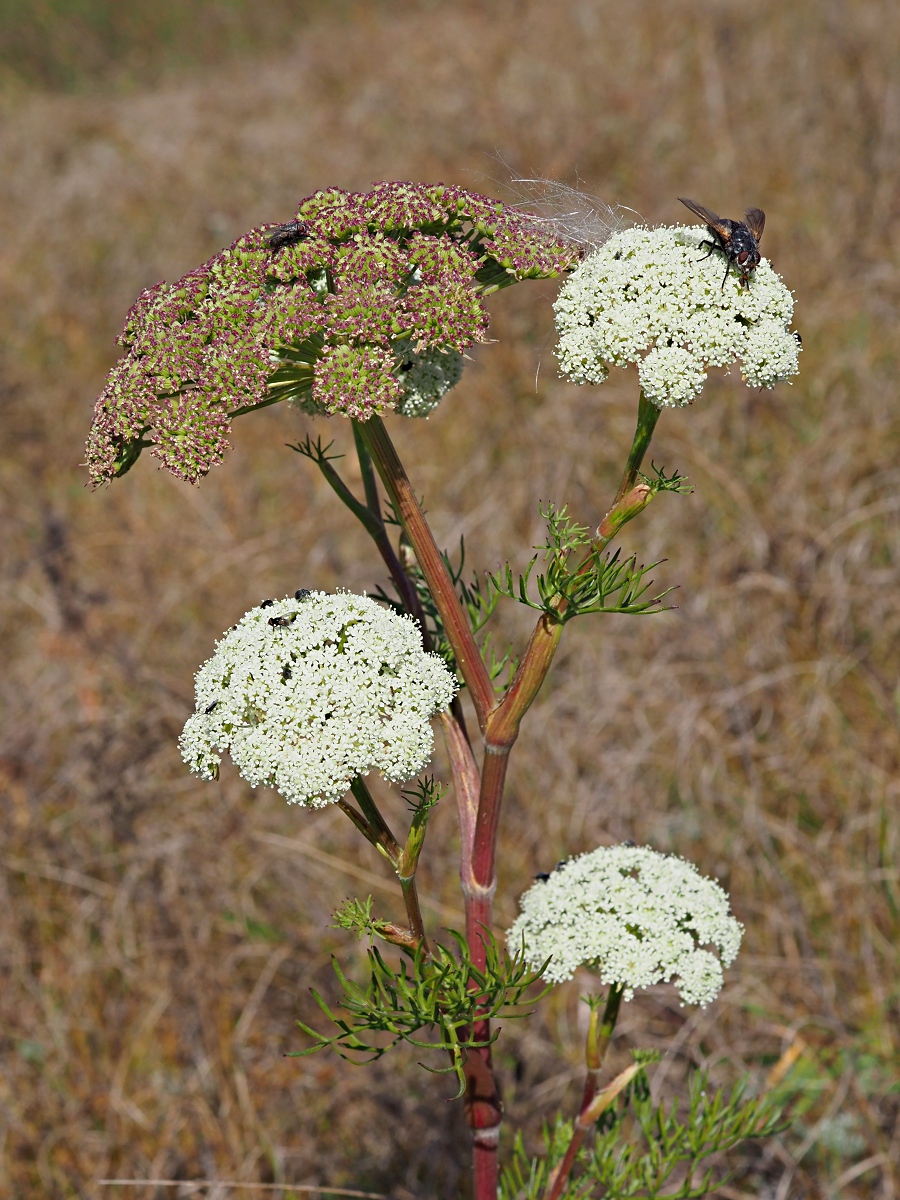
(288,234)
(737,240)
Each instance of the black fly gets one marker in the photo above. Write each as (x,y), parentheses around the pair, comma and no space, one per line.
(543,876)
(739,242)
(288,234)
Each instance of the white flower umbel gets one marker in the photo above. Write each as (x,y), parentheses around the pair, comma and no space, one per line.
(307,693)
(426,378)
(649,296)
(637,916)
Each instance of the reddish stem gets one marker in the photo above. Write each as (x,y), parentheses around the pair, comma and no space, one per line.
(499,724)
(375,526)
(455,621)
(485,1164)
(484,1106)
(480,893)
(600,1031)
(466,785)
(484,1110)
(499,737)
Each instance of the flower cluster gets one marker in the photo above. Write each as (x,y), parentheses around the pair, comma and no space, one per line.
(637,916)
(308,692)
(426,377)
(650,296)
(331,307)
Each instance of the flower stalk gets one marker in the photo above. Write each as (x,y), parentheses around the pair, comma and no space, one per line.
(404,860)
(500,724)
(370,517)
(594,1101)
(588,1116)
(632,497)
(599,1035)
(456,625)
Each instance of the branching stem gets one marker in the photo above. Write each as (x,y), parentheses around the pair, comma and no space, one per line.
(456,624)
(380,834)
(479,798)
(630,499)
(375,829)
(593,1101)
(600,1031)
(409,597)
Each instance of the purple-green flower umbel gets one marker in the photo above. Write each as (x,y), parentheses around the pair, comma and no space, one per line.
(369,295)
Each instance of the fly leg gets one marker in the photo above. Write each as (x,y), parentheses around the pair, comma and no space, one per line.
(712,247)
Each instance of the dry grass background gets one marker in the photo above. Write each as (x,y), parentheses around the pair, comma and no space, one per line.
(158,935)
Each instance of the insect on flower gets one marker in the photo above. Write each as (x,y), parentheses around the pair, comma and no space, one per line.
(288,234)
(737,240)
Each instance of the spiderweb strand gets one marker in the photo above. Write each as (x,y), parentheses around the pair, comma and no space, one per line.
(565,212)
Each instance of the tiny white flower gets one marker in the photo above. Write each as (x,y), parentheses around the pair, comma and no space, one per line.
(309,692)
(426,377)
(649,296)
(637,916)
(671,375)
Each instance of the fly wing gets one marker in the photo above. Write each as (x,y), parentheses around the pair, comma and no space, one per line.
(707,217)
(756,222)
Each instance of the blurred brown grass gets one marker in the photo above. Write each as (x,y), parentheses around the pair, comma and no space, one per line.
(72,45)
(158,935)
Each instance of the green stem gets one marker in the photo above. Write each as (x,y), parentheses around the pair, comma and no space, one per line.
(414,911)
(626,510)
(503,723)
(246,408)
(599,1035)
(628,499)
(369,516)
(371,521)
(648,415)
(408,862)
(382,838)
(375,829)
(368,474)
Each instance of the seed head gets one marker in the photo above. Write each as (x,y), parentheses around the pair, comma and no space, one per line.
(371,275)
